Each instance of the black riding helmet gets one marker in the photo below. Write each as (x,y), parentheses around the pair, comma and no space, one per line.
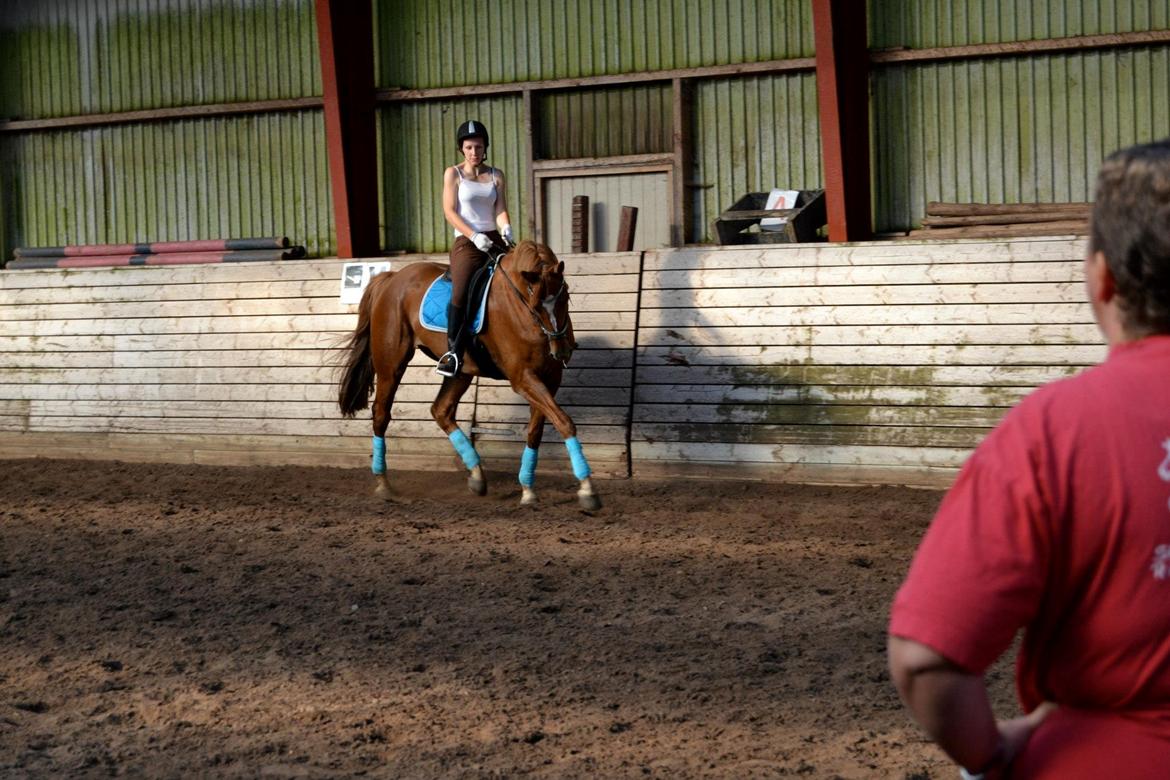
(471,129)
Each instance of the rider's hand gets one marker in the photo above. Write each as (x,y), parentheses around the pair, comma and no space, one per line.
(482,242)
(509,236)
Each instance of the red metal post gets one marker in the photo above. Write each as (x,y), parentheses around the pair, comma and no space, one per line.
(843,97)
(346,43)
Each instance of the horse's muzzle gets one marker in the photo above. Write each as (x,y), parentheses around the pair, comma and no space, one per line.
(562,349)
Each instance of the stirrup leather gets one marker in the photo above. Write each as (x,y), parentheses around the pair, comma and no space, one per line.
(441,370)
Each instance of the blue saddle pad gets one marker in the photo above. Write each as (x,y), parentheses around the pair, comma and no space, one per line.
(432,312)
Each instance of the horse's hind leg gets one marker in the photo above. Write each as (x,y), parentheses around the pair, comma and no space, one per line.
(528,460)
(384,391)
(443,410)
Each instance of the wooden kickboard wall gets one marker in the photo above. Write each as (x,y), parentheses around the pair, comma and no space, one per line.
(882,362)
(236,364)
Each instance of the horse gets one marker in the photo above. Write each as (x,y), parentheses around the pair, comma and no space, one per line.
(526,338)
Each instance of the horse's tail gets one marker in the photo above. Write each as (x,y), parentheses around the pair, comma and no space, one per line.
(357,379)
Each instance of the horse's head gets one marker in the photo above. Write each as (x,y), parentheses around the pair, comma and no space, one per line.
(547,294)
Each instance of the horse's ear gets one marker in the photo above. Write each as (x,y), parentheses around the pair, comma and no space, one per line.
(561,267)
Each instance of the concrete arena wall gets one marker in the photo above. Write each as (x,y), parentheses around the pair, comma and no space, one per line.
(879,362)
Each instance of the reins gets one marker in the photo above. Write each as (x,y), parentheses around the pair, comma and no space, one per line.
(550,334)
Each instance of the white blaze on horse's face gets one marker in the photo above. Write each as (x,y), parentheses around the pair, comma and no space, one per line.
(555,292)
(549,304)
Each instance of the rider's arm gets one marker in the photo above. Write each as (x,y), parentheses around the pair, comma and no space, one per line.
(951,704)
(501,200)
(451,203)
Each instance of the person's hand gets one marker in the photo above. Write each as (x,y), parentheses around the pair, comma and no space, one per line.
(509,236)
(1016,733)
(482,242)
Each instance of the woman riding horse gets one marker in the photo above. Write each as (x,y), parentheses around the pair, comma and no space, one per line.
(474,203)
(526,337)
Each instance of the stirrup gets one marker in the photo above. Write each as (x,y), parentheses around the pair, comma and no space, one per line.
(441,371)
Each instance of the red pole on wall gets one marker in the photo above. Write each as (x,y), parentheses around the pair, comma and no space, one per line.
(345,39)
(842,55)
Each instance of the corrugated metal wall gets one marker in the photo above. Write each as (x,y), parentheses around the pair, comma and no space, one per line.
(1010,129)
(920,24)
(436,43)
(417,143)
(597,122)
(752,135)
(258,175)
(229,177)
(68,58)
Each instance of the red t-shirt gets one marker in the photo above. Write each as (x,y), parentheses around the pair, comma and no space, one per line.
(1059,523)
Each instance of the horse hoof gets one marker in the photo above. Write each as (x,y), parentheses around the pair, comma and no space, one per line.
(590,502)
(528,498)
(382,490)
(477,486)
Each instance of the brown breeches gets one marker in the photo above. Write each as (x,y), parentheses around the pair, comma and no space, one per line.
(465,259)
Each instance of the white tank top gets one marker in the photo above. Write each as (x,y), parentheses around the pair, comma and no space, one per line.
(477,202)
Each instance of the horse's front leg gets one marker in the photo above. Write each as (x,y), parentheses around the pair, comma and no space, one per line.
(541,400)
(443,410)
(528,460)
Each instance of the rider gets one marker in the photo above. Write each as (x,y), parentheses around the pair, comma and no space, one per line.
(474,204)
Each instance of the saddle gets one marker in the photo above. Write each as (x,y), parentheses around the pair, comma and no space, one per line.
(432,312)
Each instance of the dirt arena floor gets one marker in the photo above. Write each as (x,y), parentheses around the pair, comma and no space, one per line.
(168,621)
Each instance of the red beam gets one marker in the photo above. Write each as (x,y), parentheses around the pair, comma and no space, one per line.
(843,99)
(346,42)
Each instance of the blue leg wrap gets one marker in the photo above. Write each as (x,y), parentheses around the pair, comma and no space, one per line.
(378,462)
(528,467)
(464,448)
(580,465)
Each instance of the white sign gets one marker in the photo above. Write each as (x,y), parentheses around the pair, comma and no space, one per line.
(779,199)
(355,277)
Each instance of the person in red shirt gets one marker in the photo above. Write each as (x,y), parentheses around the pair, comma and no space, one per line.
(1059,524)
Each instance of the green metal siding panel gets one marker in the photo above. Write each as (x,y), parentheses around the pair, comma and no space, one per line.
(605,122)
(920,24)
(438,43)
(69,58)
(417,143)
(216,178)
(752,135)
(1013,130)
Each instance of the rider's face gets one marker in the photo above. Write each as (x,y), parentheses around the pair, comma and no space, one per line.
(473,149)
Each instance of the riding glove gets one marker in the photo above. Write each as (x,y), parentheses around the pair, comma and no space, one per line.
(506,232)
(482,242)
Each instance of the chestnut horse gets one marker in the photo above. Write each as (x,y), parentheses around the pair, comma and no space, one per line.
(526,334)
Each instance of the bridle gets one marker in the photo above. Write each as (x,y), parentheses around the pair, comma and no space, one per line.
(548,303)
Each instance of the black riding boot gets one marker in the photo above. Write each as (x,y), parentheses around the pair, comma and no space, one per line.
(450,363)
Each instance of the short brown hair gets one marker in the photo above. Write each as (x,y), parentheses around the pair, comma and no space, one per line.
(1131,227)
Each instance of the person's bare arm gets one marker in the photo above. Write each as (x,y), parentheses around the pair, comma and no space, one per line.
(501,202)
(451,204)
(952,706)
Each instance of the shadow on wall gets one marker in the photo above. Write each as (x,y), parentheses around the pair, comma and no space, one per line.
(879,362)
